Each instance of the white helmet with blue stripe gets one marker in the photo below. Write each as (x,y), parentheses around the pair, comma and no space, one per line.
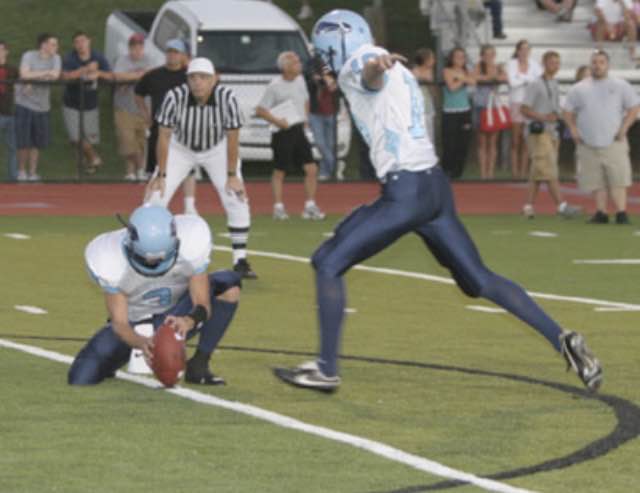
(151,243)
(338,34)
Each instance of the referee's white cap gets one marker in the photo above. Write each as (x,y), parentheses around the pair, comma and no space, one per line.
(201,66)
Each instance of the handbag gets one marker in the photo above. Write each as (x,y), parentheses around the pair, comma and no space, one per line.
(495,116)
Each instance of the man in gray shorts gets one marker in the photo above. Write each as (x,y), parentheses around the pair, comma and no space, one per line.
(33,103)
(599,111)
(86,67)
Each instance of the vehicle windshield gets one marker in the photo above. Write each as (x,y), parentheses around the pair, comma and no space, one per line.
(249,52)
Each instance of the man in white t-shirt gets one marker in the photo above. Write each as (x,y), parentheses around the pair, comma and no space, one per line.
(285,104)
(615,21)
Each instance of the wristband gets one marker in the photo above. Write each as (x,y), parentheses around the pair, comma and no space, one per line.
(198,315)
(162,174)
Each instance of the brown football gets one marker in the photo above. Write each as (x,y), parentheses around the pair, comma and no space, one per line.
(168,355)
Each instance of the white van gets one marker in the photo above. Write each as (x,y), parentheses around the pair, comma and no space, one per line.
(243,38)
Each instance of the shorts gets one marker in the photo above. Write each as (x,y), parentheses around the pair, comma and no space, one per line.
(516,113)
(603,167)
(91,125)
(291,149)
(131,130)
(32,128)
(619,31)
(543,149)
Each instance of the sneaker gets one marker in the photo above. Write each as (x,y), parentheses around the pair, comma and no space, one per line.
(569,211)
(528,212)
(581,359)
(309,376)
(243,268)
(622,218)
(306,12)
(130,177)
(34,177)
(22,176)
(142,175)
(500,36)
(313,213)
(599,218)
(280,214)
(201,375)
(324,177)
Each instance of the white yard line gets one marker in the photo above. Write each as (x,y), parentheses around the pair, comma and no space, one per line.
(377,448)
(32,310)
(611,261)
(17,236)
(440,279)
(486,309)
(543,234)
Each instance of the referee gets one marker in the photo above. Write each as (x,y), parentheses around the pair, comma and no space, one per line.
(199,124)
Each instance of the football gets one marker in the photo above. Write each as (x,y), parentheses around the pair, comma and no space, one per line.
(168,355)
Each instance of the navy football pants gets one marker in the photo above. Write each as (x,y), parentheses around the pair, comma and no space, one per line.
(419,202)
(106,352)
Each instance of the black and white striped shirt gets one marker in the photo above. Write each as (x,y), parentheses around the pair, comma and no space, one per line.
(200,127)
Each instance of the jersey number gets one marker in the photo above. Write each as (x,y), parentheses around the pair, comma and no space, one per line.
(158,297)
(417,128)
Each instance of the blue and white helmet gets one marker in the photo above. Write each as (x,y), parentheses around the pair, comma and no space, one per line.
(151,244)
(338,34)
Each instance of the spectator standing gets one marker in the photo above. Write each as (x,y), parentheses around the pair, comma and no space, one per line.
(87,67)
(33,104)
(599,111)
(521,70)
(489,74)
(424,62)
(130,122)
(456,113)
(323,106)
(615,20)
(541,106)
(7,120)
(199,125)
(285,104)
(495,7)
(155,84)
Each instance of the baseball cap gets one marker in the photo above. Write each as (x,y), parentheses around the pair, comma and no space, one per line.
(201,66)
(176,44)
(136,38)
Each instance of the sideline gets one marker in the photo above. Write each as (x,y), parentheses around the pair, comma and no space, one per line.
(377,448)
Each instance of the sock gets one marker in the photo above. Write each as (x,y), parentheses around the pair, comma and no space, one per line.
(331,302)
(189,203)
(214,328)
(278,205)
(514,299)
(239,238)
(562,206)
(309,203)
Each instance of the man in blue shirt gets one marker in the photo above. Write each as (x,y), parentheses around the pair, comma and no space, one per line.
(85,66)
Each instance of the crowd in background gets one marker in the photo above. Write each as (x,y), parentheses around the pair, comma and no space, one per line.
(462,103)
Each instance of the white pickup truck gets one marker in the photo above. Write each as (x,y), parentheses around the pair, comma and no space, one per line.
(243,39)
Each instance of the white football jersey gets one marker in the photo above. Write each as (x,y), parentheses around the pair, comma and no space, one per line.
(391,120)
(108,266)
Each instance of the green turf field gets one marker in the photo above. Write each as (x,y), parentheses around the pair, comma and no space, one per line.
(432,378)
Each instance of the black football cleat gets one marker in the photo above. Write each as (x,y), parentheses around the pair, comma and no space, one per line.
(308,376)
(243,268)
(581,359)
(201,375)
